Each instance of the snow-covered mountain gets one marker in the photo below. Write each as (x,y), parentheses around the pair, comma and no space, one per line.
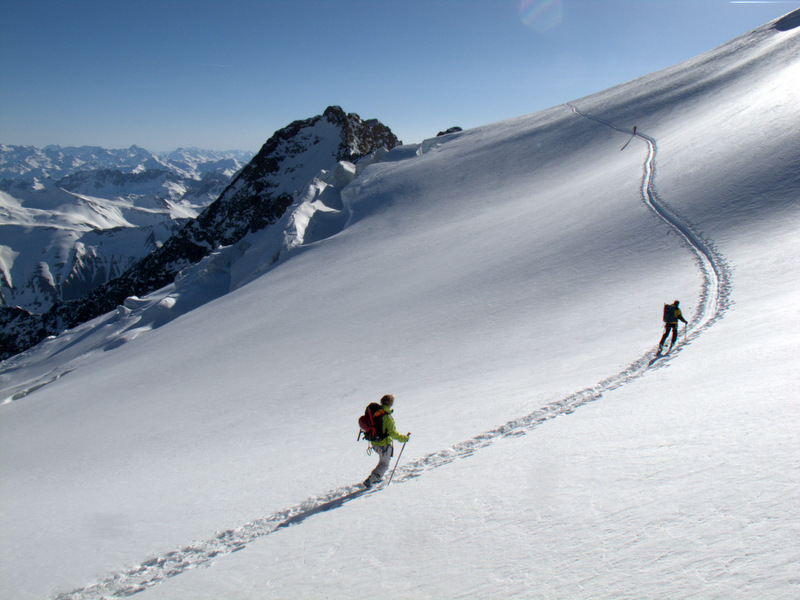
(20,165)
(73,218)
(81,285)
(506,284)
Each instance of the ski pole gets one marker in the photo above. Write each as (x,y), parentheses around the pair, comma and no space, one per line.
(397,461)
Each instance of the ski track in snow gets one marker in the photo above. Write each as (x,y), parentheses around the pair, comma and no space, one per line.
(714,301)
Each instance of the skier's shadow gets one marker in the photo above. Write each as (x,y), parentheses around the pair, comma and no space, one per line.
(669,353)
(320,508)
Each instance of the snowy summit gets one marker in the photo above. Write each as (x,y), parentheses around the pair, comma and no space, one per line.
(257,196)
(505,284)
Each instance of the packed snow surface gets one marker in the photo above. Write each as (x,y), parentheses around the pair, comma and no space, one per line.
(506,285)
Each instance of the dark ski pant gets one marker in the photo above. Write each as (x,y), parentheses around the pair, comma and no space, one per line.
(384,458)
(667,328)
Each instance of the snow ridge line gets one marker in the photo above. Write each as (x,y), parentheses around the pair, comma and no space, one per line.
(715,299)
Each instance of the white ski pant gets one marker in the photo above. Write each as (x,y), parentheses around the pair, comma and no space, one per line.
(384,458)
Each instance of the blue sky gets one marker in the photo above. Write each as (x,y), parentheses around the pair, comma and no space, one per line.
(226,74)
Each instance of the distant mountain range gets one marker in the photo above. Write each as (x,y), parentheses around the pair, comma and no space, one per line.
(73,218)
(23,164)
(110,224)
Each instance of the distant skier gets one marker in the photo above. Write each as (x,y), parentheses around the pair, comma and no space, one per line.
(672,314)
(383,445)
(633,135)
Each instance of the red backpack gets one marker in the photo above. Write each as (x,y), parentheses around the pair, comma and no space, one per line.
(371,423)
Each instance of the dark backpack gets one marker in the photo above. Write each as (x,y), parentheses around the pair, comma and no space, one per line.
(371,423)
(669,313)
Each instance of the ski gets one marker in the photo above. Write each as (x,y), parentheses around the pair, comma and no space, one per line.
(658,355)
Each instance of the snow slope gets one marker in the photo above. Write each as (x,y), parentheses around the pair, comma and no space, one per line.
(505,284)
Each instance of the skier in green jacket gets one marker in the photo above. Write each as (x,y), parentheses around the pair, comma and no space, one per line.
(384,446)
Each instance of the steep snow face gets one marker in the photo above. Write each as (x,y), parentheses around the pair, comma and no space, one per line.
(506,284)
(749,82)
(286,163)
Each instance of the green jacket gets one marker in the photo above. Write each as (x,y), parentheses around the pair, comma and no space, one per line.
(389,429)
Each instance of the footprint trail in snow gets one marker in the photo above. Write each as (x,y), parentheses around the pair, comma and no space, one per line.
(714,301)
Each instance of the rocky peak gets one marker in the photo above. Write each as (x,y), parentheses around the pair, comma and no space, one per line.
(359,138)
(257,197)
(286,162)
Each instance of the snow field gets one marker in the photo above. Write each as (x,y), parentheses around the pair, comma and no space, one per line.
(506,286)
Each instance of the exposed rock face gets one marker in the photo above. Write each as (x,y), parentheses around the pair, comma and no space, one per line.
(290,159)
(256,198)
(449,131)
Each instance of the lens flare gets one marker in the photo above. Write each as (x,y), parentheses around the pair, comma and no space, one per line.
(540,15)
